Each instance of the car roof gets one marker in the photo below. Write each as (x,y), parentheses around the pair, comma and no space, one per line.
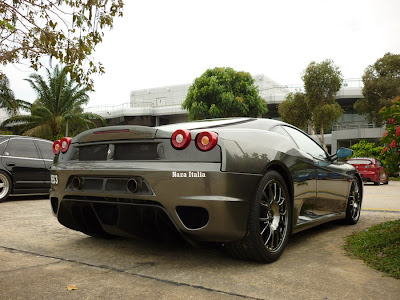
(363,158)
(5,137)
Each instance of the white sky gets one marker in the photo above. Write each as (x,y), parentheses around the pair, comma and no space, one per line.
(159,43)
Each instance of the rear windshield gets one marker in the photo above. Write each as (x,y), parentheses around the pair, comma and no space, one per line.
(359,162)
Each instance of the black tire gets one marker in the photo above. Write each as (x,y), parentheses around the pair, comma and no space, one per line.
(387,179)
(379,181)
(269,222)
(5,186)
(353,208)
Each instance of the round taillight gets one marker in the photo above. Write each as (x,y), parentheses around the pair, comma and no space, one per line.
(206,140)
(64,144)
(181,139)
(56,147)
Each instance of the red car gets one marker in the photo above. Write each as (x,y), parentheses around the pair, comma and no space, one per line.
(370,169)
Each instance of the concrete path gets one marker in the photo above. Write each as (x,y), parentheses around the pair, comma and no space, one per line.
(39,259)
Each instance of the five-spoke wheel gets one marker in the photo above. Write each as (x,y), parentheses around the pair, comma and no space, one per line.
(5,186)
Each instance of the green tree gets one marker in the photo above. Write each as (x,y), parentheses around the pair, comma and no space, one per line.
(7,98)
(381,84)
(58,107)
(294,110)
(365,149)
(391,137)
(63,29)
(224,92)
(317,106)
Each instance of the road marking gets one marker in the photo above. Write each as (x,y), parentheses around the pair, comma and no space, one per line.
(382,209)
(370,195)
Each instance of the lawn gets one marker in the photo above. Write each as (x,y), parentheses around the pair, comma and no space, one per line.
(378,246)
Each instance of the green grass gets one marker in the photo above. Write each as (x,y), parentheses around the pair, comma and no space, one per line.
(378,246)
(394,178)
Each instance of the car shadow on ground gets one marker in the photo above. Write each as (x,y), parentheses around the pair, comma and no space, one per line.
(146,249)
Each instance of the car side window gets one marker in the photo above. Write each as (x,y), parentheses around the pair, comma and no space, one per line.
(21,148)
(280,130)
(306,143)
(3,146)
(378,163)
(46,149)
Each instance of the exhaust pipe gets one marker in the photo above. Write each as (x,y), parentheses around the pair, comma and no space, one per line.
(133,185)
(76,183)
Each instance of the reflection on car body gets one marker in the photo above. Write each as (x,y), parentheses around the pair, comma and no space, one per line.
(247,183)
(25,165)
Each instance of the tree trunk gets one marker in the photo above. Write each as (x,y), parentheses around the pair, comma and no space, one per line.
(322,139)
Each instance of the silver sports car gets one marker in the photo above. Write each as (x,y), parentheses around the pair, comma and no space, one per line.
(243,182)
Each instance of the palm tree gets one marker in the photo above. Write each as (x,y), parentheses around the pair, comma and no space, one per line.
(7,98)
(58,107)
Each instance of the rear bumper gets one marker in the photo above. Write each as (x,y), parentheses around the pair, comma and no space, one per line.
(370,176)
(201,202)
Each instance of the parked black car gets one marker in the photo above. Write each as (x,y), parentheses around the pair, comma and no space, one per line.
(24,165)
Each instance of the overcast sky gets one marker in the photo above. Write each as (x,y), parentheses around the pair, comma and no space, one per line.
(160,43)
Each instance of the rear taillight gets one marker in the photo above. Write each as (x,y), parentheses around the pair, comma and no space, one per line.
(181,139)
(64,144)
(56,147)
(206,140)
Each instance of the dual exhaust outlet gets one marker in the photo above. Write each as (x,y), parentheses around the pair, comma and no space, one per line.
(133,185)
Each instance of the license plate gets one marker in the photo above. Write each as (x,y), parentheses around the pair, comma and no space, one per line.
(54,179)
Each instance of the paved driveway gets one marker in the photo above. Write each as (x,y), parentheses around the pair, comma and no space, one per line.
(382,197)
(39,258)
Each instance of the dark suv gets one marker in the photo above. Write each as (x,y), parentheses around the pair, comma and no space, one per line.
(24,165)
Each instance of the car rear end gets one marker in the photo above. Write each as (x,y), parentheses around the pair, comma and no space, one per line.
(132,180)
(367,168)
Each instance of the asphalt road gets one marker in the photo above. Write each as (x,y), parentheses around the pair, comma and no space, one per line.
(39,259)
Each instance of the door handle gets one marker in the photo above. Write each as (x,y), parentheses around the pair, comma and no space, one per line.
(11,164)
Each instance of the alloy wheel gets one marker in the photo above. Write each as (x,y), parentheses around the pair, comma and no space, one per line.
(355,200)
(4,186)
(273,216)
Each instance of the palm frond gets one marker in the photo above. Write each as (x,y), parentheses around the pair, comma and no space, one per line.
(59,99)
(7,97)
(20,119)
(39,131)
(24,104)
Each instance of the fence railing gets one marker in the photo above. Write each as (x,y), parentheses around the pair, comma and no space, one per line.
(338,127)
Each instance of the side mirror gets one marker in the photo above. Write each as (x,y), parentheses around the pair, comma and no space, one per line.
(344,152)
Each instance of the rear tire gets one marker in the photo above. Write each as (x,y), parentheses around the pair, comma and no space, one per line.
(353,208)
(5,186)
(387,180)
(269,222)
(379,181)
